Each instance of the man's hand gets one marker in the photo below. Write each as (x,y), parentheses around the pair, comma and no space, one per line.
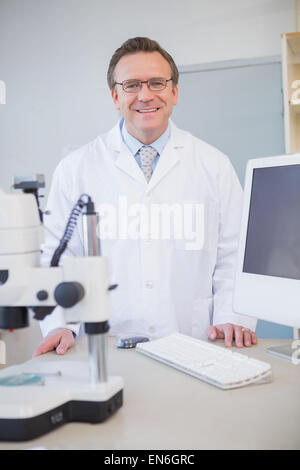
(60,339)
(228,332)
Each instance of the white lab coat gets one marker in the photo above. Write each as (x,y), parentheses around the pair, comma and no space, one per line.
(163,287)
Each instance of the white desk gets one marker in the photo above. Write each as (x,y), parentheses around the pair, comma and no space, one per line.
(166,409)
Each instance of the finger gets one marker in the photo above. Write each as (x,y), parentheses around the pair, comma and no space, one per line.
(213,333)
(38,351)
(65,343)
(253,338)
(239,336)
(47,345)
(247,338)
(228,332)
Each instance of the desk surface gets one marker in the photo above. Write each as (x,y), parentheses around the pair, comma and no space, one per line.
(166,409)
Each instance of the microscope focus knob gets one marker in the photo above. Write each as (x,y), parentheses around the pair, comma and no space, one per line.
(68,294)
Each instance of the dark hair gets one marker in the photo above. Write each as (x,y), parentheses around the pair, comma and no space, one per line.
(139,44)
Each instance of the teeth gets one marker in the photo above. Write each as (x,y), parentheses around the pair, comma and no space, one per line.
(147,110)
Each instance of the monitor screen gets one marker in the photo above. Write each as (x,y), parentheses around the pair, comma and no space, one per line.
(273,231)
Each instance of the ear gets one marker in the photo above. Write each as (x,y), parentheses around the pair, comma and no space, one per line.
(175,94)
(115,98)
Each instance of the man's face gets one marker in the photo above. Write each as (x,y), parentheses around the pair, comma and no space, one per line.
(146,112)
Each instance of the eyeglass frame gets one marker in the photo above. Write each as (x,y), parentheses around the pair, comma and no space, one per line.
(141,83)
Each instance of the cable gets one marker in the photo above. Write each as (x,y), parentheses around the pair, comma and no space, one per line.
(47,229)
(71,224)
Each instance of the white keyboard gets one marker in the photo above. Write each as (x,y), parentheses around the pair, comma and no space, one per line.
(208,362)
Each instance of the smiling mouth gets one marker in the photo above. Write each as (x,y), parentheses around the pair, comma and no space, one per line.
(144,111)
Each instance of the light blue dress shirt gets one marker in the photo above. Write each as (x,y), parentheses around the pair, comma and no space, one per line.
(134,145)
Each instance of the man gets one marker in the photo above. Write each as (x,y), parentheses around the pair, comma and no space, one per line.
(165,284)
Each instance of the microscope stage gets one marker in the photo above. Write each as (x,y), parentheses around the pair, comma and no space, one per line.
(64,395)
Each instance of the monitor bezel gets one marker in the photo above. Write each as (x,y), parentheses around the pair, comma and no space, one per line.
(270,298)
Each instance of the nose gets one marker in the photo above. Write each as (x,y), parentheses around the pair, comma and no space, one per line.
(145,94)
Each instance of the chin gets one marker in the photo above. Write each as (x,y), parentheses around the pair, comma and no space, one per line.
(152,126)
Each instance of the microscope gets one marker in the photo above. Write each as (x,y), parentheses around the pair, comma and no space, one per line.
(72,390)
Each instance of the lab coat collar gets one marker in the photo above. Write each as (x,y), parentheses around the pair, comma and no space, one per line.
(125,161)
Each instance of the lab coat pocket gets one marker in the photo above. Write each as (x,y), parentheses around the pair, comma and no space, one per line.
(202,316)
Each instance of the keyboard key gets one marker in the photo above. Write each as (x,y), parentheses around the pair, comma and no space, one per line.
(208,362)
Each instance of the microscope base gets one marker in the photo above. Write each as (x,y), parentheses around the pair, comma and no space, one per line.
(74,411)
(29,411)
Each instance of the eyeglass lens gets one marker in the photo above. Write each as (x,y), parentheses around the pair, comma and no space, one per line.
(154,84)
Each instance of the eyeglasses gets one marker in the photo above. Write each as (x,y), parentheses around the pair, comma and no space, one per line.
(134,86)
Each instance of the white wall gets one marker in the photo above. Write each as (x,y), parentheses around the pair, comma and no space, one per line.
(54,56)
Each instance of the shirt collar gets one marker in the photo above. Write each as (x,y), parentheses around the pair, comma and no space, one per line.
(134,145)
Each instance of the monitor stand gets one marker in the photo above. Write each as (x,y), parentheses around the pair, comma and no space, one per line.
(289,351)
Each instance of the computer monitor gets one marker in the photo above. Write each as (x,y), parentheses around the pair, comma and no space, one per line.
(267,283)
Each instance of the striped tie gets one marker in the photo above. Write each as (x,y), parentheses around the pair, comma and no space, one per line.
(147,155)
